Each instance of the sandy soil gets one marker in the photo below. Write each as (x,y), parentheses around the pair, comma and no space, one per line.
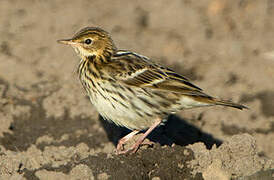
(49,129)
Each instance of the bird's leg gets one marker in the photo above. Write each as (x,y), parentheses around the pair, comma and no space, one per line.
(124,139)
(135,147)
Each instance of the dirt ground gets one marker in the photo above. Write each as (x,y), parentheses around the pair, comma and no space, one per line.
(49,129)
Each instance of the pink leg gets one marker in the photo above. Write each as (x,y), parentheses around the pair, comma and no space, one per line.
(135,147)
(124,139)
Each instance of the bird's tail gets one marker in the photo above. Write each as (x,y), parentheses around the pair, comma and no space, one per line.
(230,104)
(209,100)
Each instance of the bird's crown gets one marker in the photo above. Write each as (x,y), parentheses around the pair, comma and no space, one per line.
(91,41)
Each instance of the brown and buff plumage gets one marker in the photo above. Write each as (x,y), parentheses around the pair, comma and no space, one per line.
(129,89)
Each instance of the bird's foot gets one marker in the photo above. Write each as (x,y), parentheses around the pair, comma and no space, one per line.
(134,148)
(140,141)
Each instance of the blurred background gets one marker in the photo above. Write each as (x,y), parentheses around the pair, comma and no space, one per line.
(225,47)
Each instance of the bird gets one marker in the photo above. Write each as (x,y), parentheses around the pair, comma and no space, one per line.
(130,89)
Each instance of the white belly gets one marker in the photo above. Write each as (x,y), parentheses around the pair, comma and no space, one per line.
(125,109)
(136,110)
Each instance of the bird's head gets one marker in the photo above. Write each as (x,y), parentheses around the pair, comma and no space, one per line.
(91,41)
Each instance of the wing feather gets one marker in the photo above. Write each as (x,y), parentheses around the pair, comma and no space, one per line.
(141,72)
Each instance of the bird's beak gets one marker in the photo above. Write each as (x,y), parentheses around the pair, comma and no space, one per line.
(66,41)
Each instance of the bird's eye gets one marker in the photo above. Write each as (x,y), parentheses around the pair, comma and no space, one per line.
(88,41)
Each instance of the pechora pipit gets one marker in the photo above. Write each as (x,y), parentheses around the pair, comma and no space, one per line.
(130,89)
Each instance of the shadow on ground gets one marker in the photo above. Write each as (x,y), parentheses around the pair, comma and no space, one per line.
(176,130)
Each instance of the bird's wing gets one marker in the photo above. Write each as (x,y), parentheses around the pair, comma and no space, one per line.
(138,71)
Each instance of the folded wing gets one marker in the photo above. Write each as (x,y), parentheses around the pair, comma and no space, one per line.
(138,71)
